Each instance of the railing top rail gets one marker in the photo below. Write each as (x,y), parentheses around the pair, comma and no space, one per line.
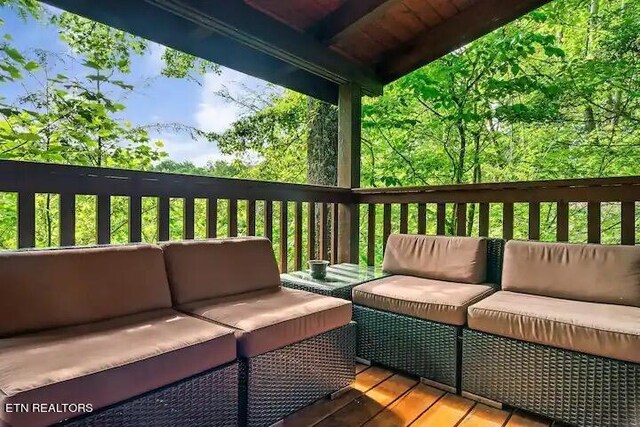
(519,185)
(18,176)
(616,189)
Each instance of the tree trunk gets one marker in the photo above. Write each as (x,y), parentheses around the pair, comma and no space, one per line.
(322,151)
(322,143)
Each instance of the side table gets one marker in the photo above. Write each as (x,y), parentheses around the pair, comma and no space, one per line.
(341,278)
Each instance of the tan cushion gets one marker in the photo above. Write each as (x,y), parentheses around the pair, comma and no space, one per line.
(444,302)
(273,318)
(107,362)
(454,259)
(602,329)
(56,288)
(205,269)
(596,273)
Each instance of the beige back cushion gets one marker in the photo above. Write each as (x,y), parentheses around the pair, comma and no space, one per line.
(53,288)
(214,268)
(453,259)
(595,273)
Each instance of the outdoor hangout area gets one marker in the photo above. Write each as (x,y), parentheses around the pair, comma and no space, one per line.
(261,303)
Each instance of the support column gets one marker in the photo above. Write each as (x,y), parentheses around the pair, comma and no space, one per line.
(349,132)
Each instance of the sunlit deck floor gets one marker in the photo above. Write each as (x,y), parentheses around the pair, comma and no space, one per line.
(381,398)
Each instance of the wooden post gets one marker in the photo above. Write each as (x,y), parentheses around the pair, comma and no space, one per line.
(349,128)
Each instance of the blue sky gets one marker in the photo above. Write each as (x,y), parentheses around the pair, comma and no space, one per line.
(157,99)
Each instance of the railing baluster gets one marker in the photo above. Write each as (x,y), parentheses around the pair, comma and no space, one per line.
(67,219)
(232,218)
(507,221)
(371,234)
(422,218)
(594,222)
(268,219)
(404,218)
(461,219)
(483,226)
(334,233)
(188,218)
(103,213)
(163,218)
(135,219)
(212,217)
(562,221)
(297,247)
(534,221)
(386,225)
(284,237)
(251,218)
(26,219)
(441,212)
(311,231)
(324,237)
(628,225)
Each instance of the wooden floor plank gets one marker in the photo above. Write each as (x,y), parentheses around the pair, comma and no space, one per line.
(361,367)
(521,419)
(446,412)
(405,410)
(323,408)
(485,416)
(371,403)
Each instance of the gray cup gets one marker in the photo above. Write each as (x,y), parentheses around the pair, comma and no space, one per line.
(318,268)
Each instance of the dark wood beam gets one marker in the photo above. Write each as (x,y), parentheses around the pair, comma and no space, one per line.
(181,34)
(240,22)
(351,14)
(470,24)
(349,135)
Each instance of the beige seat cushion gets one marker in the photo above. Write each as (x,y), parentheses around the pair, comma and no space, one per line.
(56,288)
(273,318)
(444,302)
(204,269)
(602,329)
(453,259)
(596,273)
(106,362)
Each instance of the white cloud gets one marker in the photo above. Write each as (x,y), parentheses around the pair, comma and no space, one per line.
(214,113)
(154,57)
(182,148)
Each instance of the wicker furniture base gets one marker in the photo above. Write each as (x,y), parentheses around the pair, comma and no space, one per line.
(278,383)
(576,388)
(419,347)
(208,399)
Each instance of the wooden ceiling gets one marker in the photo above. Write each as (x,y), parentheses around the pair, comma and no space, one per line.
(311,46)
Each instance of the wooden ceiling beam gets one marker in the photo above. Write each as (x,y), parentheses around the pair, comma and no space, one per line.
(350,15)
(240,22)
(477,20)
(172,31)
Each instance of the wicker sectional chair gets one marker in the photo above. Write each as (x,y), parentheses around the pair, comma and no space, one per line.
(562,338)
(295,347)
(412,321)
(95,326)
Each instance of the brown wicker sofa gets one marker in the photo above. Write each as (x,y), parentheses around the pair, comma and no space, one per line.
(562,338)
(294,346)
(412,321)
(95,326)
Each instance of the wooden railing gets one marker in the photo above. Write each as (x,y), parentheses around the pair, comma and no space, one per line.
(302,220)
(314,207)
(498,210)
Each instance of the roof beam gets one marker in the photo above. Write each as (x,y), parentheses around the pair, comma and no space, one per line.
(473,22)
(170,30)
(240,22)
(348,16)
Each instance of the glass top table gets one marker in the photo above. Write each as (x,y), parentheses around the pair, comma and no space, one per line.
(341,278)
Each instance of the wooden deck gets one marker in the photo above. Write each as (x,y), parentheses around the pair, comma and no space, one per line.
(382,398)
